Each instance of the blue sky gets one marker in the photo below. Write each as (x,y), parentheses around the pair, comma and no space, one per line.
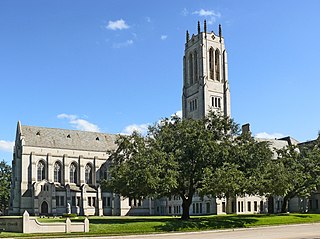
(116,65)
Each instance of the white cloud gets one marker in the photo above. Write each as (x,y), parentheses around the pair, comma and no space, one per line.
(141,128)
(208,13)
(79,124)
(6,146)
(264,135)
(163,37)
(184,12)
(117,25)
(122,44)
(148,19)
(205,13)
(178,113)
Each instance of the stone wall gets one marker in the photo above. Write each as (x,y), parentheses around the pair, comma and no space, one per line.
(27,224)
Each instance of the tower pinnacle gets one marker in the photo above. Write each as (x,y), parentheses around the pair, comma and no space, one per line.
(205,26)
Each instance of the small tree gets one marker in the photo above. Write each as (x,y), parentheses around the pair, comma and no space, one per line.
(5,182)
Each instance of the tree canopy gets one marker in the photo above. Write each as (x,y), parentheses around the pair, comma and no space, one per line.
(296,172)
(5,182)
(181,157)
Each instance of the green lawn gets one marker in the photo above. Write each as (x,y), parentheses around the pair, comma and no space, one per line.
(144,225)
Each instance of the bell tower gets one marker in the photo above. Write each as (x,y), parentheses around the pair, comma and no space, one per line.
(205,75)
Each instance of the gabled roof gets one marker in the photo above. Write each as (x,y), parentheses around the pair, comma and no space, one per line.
(66,139)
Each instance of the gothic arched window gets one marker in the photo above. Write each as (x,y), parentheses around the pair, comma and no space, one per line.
(223,64)
(41,170)
(73,173)
(190,69)
(217,65)
(211,63)
(88,174)
(184,71)
(195,66)
(57,172)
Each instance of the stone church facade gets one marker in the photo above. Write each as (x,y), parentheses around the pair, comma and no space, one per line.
(57,170)
(54,169)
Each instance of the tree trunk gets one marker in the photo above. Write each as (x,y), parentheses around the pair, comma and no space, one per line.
(186,202)
(284,207)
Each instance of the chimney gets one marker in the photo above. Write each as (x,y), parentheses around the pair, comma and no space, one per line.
(246,128)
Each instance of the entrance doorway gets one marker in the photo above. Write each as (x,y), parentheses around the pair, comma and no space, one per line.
(44,208)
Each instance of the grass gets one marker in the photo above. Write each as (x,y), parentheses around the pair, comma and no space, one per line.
(144,225)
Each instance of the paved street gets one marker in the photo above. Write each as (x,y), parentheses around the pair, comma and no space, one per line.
(303,231)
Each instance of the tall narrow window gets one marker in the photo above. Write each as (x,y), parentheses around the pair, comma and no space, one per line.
(190,69)
(216,102)
(261,206)
(57,201)
(41,170)
(73,201)
(106,174)
(57,172)
(88,174)
(217,64)
(184,71)
(195,66)
(73,173)
(223,69)
(211,63)
(223,206)
(208,207)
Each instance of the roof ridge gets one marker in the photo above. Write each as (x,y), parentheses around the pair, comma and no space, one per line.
(72,130)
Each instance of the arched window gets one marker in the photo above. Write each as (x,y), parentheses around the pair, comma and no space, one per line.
(41,170)
(190,69)
(73,173)
(224,64)
(88,174)
(57,172)
(195,66)
(211,63)
(184,71)
(217,64)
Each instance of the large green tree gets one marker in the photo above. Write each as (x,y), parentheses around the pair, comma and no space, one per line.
(176,158)
(241,171)
(5,182)
(296,172)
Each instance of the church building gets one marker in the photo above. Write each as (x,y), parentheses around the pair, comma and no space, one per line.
(58,171)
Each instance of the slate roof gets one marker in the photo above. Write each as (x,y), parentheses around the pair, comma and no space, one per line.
(67,139)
